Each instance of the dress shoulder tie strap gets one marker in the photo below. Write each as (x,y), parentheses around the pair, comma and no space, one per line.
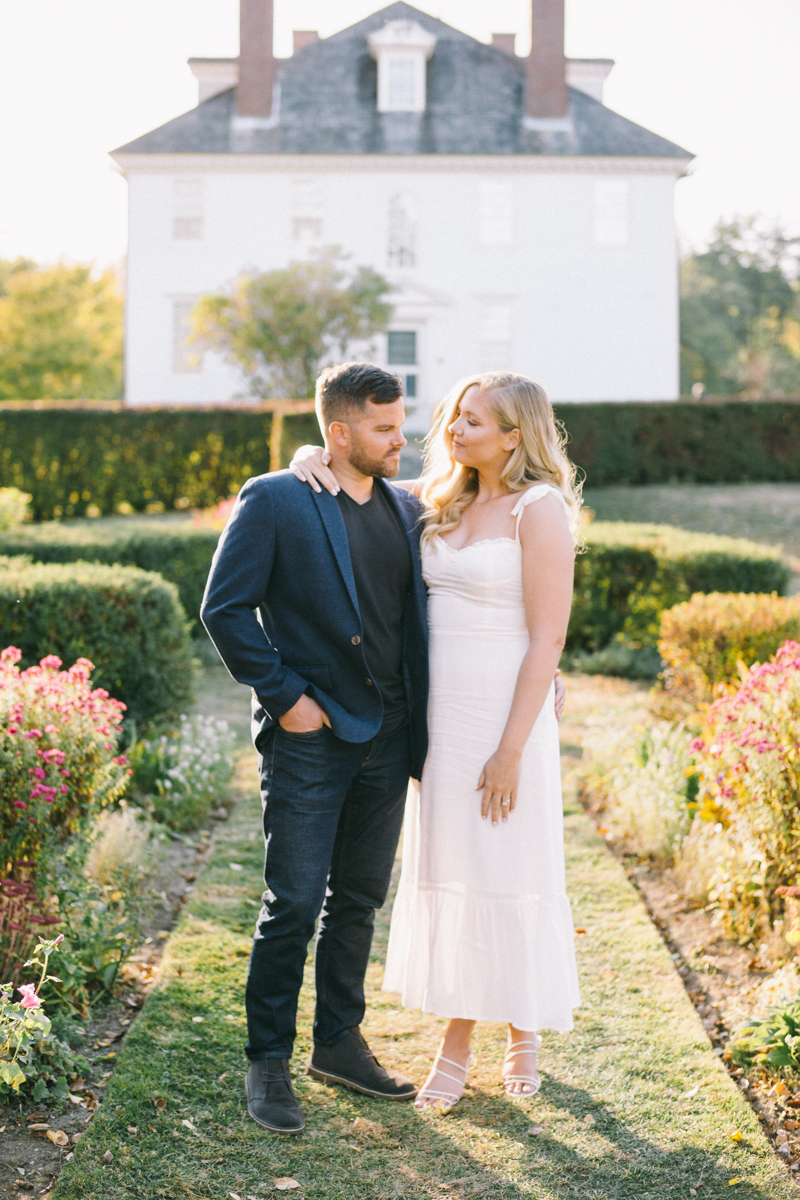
(531,496)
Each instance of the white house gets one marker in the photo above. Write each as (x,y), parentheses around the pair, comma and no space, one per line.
(522,223)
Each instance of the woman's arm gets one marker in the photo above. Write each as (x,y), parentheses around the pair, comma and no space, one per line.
(547,576)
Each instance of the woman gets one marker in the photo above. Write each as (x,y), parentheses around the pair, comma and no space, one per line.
(481,927)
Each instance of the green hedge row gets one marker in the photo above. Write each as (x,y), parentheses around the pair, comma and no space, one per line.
(631,573)
(623,582)
(128,622)
(178,550)
(79,462)
(681,442)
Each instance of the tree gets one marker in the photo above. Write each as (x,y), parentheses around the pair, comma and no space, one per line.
(279,327)
(61,332)
(740,314)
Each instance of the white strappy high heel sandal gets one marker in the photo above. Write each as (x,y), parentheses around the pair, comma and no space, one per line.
(443,1101)
(531,1083)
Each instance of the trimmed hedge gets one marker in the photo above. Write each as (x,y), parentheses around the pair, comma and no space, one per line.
(95,461)
(680,442)
(631,573)
(179,551)
(128,622)
(704,641)
(74,459)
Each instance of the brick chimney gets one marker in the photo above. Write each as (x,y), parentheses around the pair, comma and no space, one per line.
(302,38)
(547,102)
(507,42)
(256,60)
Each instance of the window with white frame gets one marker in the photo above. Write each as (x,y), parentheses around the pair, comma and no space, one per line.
(496,212)
(402,230)
(307,204)
(611,212)
(188,203)
(402,49)
(401,352)
(186,358)
(495,334)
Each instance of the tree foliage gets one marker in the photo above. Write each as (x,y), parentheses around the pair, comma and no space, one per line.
(279,327)
(740,314)
(60,332)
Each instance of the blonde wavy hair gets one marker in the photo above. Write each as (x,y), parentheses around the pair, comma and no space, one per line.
(448,488)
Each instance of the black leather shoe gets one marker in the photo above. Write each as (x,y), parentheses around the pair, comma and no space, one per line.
(270,1099)
(352,1063)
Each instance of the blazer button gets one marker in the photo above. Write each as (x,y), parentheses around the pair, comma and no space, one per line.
(368,681)
(356,640)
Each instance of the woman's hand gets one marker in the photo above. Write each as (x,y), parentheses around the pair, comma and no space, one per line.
(310,463)
(499,780)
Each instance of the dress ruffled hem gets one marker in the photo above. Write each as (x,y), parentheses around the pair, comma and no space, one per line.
(484,959)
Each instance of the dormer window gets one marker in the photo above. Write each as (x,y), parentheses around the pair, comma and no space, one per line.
(402,49)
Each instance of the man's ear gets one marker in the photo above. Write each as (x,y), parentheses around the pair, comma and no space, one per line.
(339,434)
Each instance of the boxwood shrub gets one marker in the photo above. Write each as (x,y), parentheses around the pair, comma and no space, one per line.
(630,573)
(179,551)
(128,622)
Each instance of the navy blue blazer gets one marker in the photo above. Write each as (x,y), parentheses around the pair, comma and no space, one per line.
(284,556)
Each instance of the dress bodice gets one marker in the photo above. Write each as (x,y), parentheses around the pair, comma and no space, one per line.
(486,573)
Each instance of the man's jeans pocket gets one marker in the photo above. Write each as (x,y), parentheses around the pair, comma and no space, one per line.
(308,736)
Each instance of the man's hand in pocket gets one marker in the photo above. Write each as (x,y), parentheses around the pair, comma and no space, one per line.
(305,716)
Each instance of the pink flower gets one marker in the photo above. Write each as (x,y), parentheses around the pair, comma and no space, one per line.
(20,804)
(33,733)
(65,773)
(52,660)
(120,760)
(51,729)
(10,655)
(12,729)
(696,744)
(63,788)
(39,772)
(29,997)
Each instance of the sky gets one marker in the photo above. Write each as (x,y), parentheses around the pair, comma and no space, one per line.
(79,77)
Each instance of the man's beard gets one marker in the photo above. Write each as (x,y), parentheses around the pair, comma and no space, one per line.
(378,468)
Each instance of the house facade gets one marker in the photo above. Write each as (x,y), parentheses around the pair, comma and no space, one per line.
(522,224)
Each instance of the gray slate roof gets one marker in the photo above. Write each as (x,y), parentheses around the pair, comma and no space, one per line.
(475,104)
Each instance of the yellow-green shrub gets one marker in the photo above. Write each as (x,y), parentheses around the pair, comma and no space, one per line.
(705,640)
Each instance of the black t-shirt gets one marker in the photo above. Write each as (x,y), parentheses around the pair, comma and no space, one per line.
(381,559)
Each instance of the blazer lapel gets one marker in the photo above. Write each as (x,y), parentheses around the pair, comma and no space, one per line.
(337,536)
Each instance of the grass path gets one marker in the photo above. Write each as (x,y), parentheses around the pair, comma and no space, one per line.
(634,1104)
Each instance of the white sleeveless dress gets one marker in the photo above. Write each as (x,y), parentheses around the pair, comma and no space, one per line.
(481,926)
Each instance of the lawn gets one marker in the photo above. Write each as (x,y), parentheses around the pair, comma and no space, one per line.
(765,512)
(634,1103)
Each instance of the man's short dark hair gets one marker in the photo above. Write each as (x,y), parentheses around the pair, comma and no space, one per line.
(344,390)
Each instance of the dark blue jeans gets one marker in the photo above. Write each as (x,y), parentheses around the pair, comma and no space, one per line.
(332,817)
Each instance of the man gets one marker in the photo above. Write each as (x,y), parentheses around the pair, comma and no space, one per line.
(338,664)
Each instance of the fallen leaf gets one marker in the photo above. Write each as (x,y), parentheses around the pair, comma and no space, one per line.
(536,1131)
(735,1137)
(781,1089)
(163,933)
(579,932)
(234,1196)
(160,1103)
(222,1077)
(284,1185)
(133,1129)
(76,1137)
(198,1020)
(58,1137)
(39,1125)
(589,1119)
(73,1099)
(688,1095)
(108,1156)
(736,1179)
(239,867)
